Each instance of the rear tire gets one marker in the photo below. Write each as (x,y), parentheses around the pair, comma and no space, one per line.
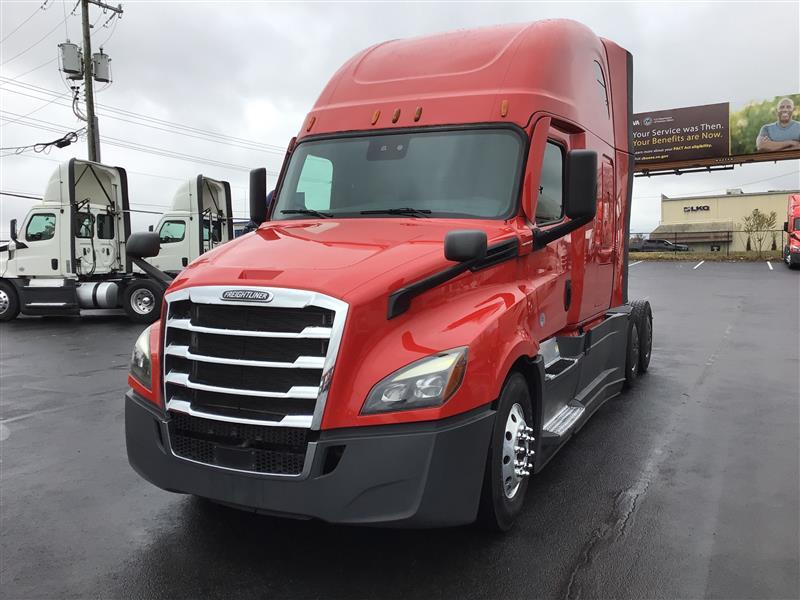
(142,301)
(503,491)
(643,316)
(9,302)
(632,357)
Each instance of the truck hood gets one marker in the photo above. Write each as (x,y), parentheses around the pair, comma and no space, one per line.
(335,257)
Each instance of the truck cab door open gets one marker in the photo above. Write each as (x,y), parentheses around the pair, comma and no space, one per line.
(200,219)
(99,220)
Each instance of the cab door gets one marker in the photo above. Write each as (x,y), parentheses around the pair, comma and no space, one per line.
(600,245)
(39,247)
(105,239)
(83,242)
(175,251)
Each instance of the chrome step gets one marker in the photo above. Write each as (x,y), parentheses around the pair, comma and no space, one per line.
(564,420)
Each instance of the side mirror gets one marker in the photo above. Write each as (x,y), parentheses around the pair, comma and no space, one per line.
(13,229)
(258,195)
(143,245)
(581,193)
(146,245)
(785,228)
(464,245)
(580,199)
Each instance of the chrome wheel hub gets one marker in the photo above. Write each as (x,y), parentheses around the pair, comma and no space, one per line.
(4,302)
(517,451)
(142,301)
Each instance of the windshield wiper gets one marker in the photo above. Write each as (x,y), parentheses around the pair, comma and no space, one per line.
(414,212)
(307,211)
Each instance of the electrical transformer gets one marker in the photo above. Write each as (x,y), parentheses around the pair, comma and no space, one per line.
(71,60)
(101,67)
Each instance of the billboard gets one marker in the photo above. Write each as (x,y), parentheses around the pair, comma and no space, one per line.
(717,134)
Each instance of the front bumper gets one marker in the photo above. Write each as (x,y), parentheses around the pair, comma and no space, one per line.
(793,258)
(415,475)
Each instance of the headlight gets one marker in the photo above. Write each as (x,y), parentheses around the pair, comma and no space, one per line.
(140,359)
(428,382)
(795,249)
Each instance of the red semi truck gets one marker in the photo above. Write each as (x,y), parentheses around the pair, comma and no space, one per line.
(791,251)
(434,302)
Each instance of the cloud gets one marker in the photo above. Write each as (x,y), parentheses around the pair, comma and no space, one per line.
(253,70)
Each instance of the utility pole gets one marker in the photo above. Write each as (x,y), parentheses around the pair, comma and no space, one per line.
(93,128)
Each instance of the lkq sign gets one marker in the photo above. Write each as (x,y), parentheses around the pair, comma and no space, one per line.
(697,208)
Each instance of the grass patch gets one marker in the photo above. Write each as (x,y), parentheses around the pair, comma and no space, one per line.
(709,256)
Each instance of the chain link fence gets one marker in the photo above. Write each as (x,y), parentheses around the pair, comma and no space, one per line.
(728,242)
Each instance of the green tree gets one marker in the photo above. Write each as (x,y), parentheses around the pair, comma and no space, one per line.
(758,225)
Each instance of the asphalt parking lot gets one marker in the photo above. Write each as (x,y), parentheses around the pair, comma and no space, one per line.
(687,486)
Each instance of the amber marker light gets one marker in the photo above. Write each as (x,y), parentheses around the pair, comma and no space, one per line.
(311,122)
(375,116)
(504,108)
(396,115)
(418,114)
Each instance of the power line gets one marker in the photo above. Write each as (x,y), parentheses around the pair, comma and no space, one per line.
(200,137)
(43,6)
(145,174)
(43,38)
(29,71)
(19,195)
(48,103)
(204,132)
(130,145)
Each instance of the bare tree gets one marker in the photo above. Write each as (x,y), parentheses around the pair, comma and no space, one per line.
(757,226)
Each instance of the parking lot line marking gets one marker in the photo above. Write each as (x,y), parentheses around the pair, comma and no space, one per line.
(633,264)
(698,264)
(769,264)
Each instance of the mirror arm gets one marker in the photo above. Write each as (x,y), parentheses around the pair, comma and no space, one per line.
(543,237)
(154,273)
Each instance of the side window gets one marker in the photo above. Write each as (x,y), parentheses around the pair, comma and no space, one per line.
(601,82)
(314,186)
(217,228)
(550,206)
(172,231)
(105,227)
(41,227)
(84,225)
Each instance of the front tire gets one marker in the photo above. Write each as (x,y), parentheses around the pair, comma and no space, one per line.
(9,302)
(510,457)
(142,301)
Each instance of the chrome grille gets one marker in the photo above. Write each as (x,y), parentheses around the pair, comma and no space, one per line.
(245,362)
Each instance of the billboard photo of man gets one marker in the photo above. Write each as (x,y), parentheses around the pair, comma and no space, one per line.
(783,134)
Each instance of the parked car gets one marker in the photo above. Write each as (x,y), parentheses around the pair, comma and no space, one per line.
(659,246)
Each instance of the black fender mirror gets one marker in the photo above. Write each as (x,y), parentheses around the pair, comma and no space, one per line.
(463,245)
(258,196)
(144,244)
(785,227)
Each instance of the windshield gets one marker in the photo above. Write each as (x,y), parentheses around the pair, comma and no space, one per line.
(457,174)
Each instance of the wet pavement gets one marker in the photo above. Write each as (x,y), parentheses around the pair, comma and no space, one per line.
(686,486)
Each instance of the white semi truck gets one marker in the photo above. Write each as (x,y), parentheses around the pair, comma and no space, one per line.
(200,219)
(69,254)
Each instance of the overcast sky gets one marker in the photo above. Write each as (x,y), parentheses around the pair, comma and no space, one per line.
(252,70)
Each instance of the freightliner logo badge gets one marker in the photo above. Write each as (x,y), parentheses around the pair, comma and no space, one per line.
(247,296)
